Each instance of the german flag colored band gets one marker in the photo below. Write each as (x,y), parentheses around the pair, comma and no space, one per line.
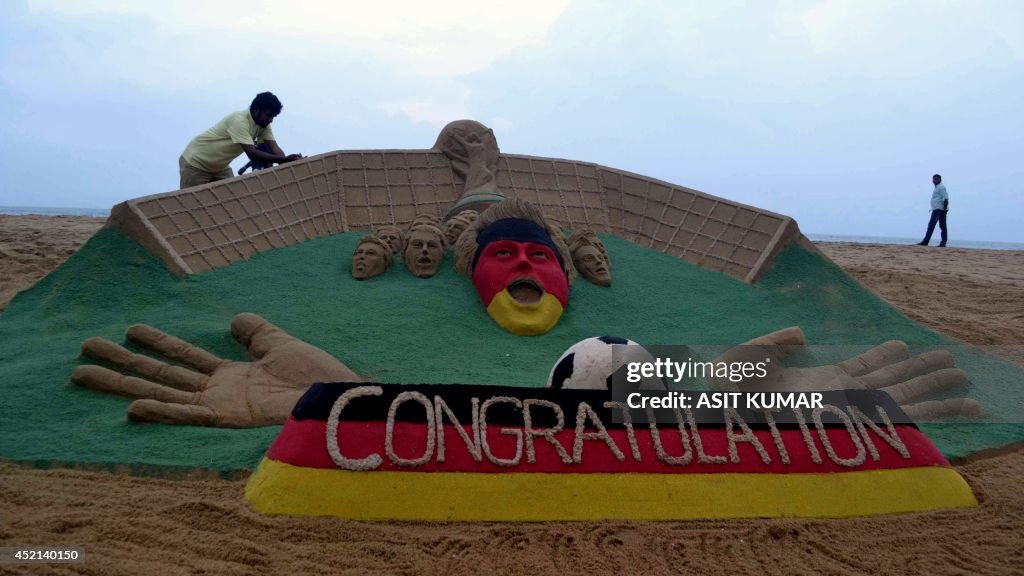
(366,451)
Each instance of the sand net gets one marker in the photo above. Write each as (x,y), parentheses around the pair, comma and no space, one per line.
(210,226)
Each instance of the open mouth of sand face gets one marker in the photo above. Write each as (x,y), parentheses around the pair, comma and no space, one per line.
(525,291)
(424,260)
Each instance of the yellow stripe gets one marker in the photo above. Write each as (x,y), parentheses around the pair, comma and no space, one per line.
(279,488)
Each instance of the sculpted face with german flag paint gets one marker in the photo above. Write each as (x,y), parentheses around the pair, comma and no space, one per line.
(518,266)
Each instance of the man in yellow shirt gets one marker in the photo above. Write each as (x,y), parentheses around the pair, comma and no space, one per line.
(207,158)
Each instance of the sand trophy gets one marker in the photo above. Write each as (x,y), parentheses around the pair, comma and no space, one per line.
(473,152)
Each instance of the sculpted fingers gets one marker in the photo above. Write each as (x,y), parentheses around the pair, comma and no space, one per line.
(257,334)
(927,385)
(786,337)
(102,349)
(106,380)
(882,355)
(174,348)
(776,345)
(106,351)
(908,369)
(939,409)
(170,413)
(245,325)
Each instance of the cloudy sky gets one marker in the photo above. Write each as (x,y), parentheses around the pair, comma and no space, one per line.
(835,112)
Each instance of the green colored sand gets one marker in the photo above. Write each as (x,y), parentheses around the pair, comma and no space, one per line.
(400,329)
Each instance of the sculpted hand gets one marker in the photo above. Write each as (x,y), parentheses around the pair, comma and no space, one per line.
(471,141)
(206,390)
(887,367)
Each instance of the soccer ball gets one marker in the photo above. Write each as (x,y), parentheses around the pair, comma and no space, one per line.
(588,364)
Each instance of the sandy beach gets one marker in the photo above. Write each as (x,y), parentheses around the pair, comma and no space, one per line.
(32,246)
(129,525)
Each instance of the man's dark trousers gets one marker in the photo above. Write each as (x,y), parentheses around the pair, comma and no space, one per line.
(940,217)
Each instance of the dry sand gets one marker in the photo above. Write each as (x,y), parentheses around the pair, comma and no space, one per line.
(976,296)
(136,526)
(32,246)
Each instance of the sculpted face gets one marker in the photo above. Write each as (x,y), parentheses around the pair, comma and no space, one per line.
(519,277)
(454,228)
(428,219)
(370,259)
(392,236)
(593,264)
(424,251)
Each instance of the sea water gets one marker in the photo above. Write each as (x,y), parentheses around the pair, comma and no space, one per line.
(51,211)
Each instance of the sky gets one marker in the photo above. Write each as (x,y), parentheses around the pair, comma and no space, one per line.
(834,112)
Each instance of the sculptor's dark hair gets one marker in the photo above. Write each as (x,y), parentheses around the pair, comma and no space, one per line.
(266,101)
(939,176)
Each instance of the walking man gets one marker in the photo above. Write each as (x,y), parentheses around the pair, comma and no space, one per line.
(940,206)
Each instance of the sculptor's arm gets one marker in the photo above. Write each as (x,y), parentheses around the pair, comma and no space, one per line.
(274,148)
(278,157)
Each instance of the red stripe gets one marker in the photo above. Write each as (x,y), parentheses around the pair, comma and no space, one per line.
(303,443)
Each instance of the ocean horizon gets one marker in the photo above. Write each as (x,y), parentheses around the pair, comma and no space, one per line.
(52,211)
(846,239)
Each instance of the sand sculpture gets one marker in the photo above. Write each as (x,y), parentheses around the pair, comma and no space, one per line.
(424,250)
(518,262)
(887,367)
(519,265)
(392,235)
(425,219)
(590,257)
(205,390)
(372,257)
(210,391)
(214,225)
(473,152)
(447,452)
(457,224)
